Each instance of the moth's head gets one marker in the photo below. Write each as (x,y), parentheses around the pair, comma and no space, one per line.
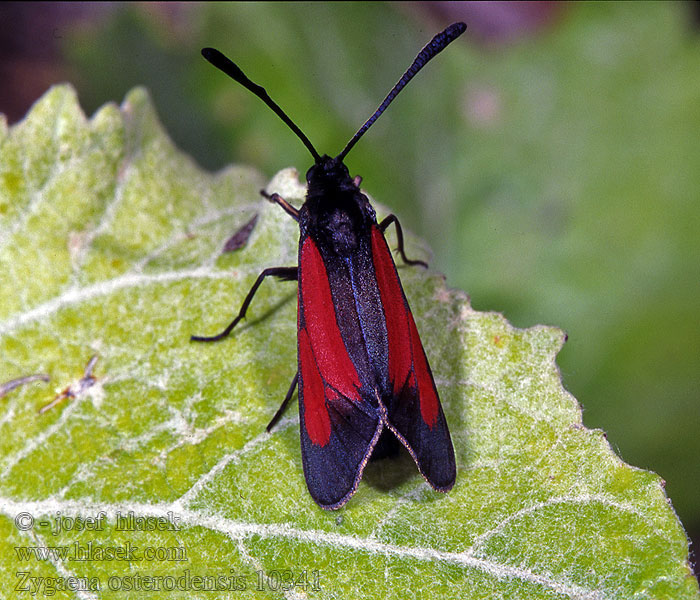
(328,175)
(328,169)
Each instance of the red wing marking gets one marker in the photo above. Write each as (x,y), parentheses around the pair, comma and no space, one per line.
(329,350)
(407,362)
(316,419)
(429,403)
(327,372)
(394,311)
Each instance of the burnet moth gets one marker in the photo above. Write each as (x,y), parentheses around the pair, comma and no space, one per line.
(364,380)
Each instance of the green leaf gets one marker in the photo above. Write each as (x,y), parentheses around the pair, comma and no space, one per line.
(110,245)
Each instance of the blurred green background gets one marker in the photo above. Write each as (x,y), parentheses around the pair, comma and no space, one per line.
(551,158)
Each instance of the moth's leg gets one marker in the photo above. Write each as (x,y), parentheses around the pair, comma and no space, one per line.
(277,199)
(399,235)
(285,402)
(284,273)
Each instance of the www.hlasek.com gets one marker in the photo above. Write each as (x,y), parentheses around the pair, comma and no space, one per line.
(86,552)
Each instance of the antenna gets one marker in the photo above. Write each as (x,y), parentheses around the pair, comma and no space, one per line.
(234,72)
(437,44)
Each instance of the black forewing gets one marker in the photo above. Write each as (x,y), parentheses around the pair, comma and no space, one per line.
(413,409)
(340,424)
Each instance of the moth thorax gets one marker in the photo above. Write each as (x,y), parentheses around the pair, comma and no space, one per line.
(342,230)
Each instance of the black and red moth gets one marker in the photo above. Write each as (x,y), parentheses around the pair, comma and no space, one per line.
(364,380)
